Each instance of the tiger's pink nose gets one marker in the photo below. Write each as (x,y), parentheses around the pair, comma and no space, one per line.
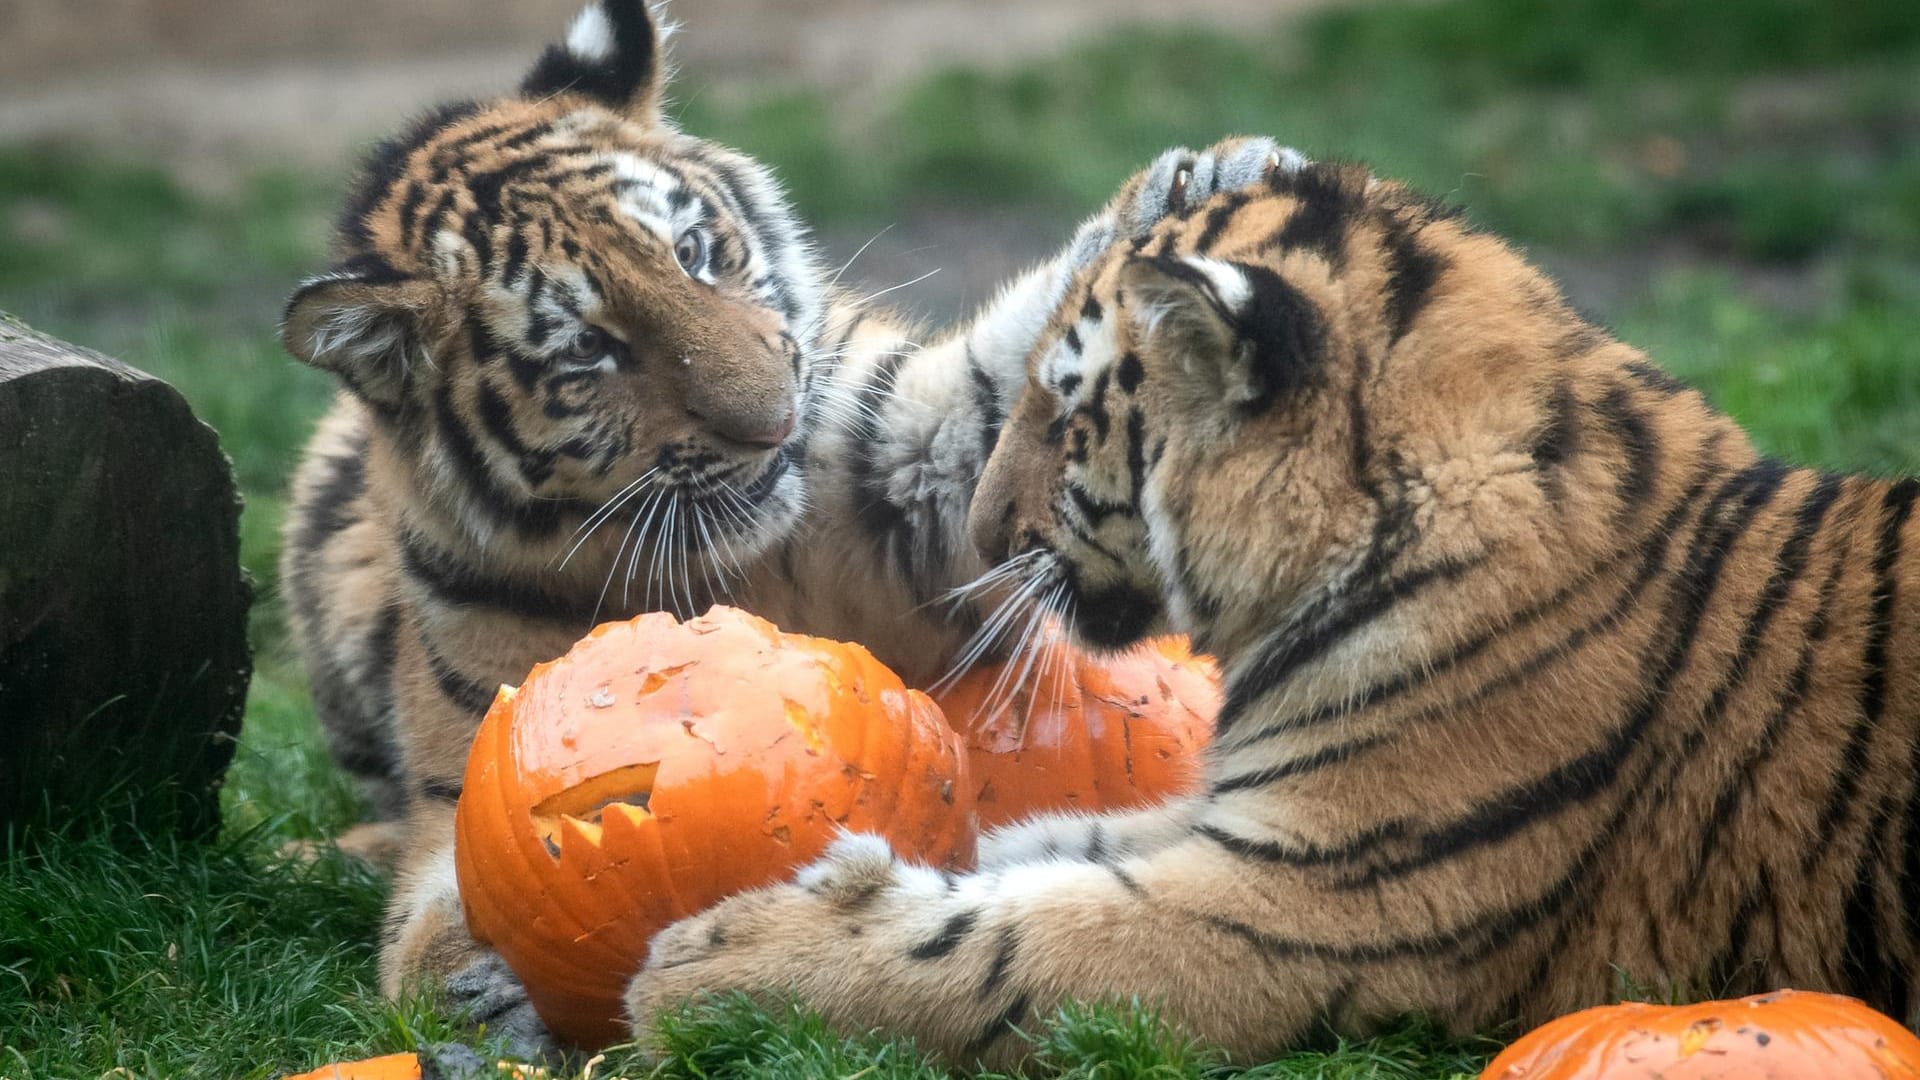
(771,437)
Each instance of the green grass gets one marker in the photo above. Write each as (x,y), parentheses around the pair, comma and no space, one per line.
(1763,150)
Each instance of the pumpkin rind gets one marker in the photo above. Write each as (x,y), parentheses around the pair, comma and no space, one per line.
(1101,733)
(1784,1035)
(659,767)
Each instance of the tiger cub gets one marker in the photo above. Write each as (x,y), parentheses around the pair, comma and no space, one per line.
(1538,676)
(591,367)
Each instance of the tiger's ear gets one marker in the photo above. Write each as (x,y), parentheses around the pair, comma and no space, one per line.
(366,323)
(614,53)
(1241,329)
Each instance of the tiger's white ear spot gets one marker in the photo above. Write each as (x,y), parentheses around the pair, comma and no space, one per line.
(1221,284)
(1194,307)
(1229,284)
(590,37)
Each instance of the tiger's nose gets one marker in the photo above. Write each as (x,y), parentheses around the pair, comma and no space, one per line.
(767,438)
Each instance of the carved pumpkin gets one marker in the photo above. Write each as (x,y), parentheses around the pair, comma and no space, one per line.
(1087,732)
(1785,1035)
(390,1067)
(661,766)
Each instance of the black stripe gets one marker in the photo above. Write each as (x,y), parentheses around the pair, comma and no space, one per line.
(1895,509)
(916,558)
(1412,272)
(986,399)
(449,154)
(1136,457)
(1329,201)
(1217,220)
(410,212)
(1096,843)
(1301,854)
(1557,440)
(1308,638)
(1000,1026)
(532,517)
(516,260)
(452,582)
(1638,445)
(1726,974)
(951,935)
(440,790)
(1126,880)
(1325,757)
(329,510)
(1002,962)
(1864,962)
(1656,379)
(1746,774)
(472,696)
(496,417)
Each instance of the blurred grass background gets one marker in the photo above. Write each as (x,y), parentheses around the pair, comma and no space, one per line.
(1732,184)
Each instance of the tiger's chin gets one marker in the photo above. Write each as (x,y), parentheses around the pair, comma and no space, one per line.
(1111,616)
(747,519)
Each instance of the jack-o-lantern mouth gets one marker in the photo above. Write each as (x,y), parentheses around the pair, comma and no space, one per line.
(628,788)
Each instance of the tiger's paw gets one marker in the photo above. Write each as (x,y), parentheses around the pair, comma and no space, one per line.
(1174,183)
(1182,179)
(780,938)
(491,997)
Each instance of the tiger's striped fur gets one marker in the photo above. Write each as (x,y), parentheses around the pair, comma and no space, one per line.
(590,368)
(1539,677)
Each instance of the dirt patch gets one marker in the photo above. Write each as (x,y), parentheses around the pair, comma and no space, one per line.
(203,84)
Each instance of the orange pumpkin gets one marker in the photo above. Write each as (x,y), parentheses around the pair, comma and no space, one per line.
(391,1067)
(1099,733)
(661,766)
(1785,1035)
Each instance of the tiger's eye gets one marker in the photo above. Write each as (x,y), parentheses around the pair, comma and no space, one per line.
(691,249)
(588,347)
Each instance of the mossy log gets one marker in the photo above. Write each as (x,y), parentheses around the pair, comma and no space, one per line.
(123,608)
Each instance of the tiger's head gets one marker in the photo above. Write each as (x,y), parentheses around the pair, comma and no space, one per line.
(1282,396)
(556,302)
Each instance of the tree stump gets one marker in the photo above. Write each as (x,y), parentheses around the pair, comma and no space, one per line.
(123,608)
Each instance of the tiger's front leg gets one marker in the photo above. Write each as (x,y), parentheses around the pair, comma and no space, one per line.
(426,943)
(1246,960)
(1096,838)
